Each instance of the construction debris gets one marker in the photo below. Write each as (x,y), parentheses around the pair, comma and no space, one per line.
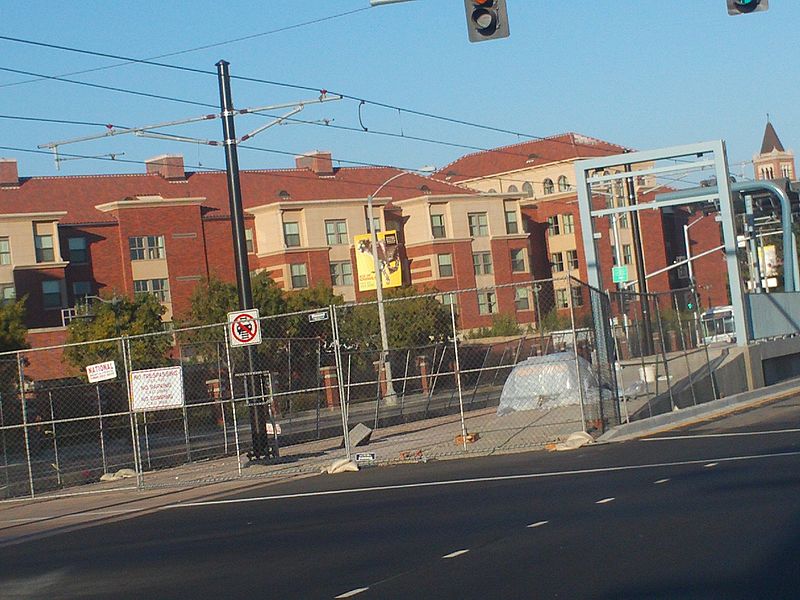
(573,441)
(470,438)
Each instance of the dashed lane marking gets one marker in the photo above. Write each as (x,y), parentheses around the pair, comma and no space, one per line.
(661,481)
(538,523)
(605,500)
(711,464)
(456,553)
(352,593)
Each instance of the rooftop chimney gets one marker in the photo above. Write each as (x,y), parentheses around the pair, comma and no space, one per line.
(169,166)
(9,176)
(318,161)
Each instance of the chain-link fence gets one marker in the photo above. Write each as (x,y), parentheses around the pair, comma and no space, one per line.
(484,370)
(665,359)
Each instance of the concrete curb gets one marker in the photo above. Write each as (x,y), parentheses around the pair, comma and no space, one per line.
(701,412)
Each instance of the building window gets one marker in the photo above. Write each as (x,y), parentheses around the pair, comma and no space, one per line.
(623,220)
(78,250)
(299,275)
(572,259)
(158,287)
(81,289)
(522,299)
(341,273)
(445,262)
(248,241)
(149,247)
(613,255)
(557,262)
(577,297)
(449,300)
(548,186)
(291,234)
(552,225)
(511,221)
(44,248)
(336,232)
(786,171)
(518,260)
(437,226)
(478,225)
(376,224)
(527,189)
(51,294)
(487,303)
(563,185)
(482,263)
(627,258)
(568,222)
(8,293)
(5,251)
(562,301)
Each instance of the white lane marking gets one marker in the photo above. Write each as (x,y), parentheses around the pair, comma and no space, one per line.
(352,593)
(661,481)
(711,464)
(406,486)
(605,500)
(538,523)
(715,435)
(456,553)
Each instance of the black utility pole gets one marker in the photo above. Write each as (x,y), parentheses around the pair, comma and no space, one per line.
(647,345)
(258,415)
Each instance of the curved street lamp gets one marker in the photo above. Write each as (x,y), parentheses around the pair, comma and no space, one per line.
(391,395)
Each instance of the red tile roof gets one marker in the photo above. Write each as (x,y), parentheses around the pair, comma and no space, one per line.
(79,195)
(525,155)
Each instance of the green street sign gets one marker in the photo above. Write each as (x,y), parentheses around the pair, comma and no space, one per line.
(619,274)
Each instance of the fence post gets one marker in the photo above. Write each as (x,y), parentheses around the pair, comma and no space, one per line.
(21,374)
(575,352)
(102,434)
(337,358)
(233,406)
(55,437)
(664,355)
(137,450)
(685,354)
(458,373)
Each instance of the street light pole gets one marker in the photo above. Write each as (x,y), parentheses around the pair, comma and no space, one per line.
(384,360)
(391,396)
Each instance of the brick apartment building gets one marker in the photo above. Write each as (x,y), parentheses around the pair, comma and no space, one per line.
(502,216)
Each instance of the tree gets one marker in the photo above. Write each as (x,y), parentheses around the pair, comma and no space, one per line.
(12,326)
(412,320)
(114,318)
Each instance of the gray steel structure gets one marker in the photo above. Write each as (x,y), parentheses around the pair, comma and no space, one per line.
(688,157)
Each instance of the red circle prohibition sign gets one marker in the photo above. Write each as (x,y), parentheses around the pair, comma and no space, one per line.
(244,328)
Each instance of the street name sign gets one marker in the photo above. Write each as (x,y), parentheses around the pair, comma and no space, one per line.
(619,274)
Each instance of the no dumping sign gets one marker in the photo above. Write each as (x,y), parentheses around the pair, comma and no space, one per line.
(244,328)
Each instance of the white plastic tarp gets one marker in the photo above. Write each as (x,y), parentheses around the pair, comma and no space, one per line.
(547,382)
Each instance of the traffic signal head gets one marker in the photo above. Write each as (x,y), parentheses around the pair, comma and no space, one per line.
(486,19)
(740,7)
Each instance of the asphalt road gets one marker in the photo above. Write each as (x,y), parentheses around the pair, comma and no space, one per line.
(708,512)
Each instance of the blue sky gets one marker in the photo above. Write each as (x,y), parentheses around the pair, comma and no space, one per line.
(640,73)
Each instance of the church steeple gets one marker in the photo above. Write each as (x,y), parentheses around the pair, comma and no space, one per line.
(771,140)
(774,161)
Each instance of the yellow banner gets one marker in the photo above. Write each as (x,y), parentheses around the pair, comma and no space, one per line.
(388,258)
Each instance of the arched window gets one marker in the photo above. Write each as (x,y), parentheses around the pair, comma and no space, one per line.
(527,189)
(512,189)
(548,186)
(492,191)
(563,185)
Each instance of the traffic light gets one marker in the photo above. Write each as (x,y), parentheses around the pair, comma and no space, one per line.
(486,19)
(740,7)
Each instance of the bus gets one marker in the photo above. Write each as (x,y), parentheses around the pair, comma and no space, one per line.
(717,324)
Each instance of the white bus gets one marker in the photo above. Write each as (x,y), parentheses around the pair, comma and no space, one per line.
(718,325)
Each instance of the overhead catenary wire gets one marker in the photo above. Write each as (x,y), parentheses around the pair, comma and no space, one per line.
(203,47)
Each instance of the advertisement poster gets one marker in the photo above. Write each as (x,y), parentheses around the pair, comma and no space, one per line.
(388,257)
